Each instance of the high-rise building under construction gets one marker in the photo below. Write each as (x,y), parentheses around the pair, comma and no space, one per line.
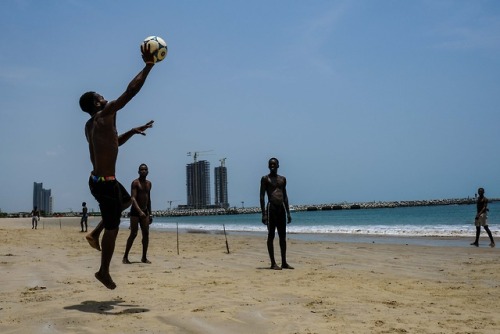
(198,184)
(220,175)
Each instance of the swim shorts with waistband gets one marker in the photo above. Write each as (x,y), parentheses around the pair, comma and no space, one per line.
(135,213)
(112,197)
(276,215)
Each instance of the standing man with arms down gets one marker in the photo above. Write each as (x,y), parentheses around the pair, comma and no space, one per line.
(140,213)
(481,218)
(103,139)
(35,217)
(277,211)
(85,216)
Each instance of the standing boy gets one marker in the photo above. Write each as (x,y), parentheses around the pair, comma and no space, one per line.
(277,212)
(140,213)
(85,216)
(35,217)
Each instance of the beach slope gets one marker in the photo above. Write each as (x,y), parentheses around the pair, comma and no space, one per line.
(47,285)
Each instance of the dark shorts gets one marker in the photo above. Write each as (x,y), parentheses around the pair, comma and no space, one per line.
(276,216)
(112,198)
(135,213)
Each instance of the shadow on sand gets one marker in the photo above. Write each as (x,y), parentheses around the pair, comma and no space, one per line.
(114,307)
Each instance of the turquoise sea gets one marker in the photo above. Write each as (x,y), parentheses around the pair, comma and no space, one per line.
(426,222)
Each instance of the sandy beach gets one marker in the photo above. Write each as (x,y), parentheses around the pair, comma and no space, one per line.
(47,285)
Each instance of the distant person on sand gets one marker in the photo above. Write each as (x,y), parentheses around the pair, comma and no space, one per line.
(140,213)
(85,216)
(481,218)
(103,139)
(277,211)
(35,217)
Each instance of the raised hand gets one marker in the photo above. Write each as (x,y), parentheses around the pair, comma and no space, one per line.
(141,129)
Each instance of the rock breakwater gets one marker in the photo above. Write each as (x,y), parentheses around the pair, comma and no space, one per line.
(324,207)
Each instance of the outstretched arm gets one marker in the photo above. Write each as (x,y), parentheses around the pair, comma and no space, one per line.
(133,87)
(122,139)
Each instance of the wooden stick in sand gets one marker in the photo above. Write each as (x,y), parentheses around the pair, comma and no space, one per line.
(177,238)
(227,245)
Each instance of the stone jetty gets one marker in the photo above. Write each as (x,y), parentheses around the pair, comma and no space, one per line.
(318,207)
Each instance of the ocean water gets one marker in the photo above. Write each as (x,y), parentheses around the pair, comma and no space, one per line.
(424,221)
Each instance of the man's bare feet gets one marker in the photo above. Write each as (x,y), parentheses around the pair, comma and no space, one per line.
(125,261)
(475,244)
(93,242)
(105,280)
(287,266)
(492,245)
(275,267)
(145,261)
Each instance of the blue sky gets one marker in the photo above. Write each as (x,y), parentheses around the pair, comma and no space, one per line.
(359,100)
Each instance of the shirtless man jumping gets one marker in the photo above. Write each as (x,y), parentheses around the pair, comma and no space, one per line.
(103,139)
(277,212)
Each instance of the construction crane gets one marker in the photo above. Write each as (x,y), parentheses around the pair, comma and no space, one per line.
(196,154)
(170,203)
(223,162)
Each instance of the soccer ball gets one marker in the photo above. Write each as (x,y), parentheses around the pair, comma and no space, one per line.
(157,46)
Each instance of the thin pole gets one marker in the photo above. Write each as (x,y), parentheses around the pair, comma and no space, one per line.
(177,238)
(227,245)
